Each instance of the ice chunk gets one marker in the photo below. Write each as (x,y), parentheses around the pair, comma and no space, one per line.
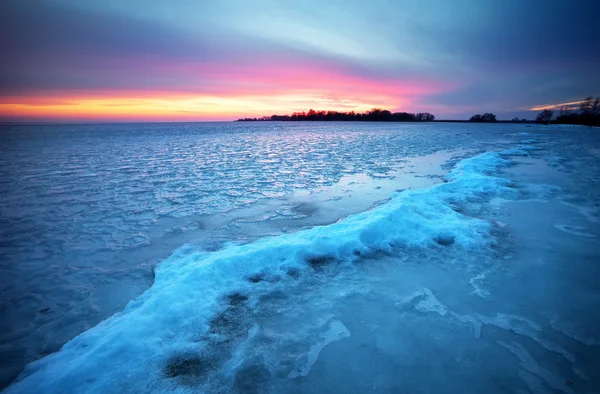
(431,304)
(337,331)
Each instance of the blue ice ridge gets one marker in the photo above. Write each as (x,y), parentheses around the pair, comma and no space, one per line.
(133,350)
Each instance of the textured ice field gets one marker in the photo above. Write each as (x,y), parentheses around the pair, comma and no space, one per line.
(300,257)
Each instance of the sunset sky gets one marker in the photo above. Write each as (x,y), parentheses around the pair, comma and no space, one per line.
(185,60)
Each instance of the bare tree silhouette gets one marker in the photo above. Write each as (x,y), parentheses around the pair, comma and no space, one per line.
(545,116)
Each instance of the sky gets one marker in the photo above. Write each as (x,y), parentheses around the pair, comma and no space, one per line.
(207,60)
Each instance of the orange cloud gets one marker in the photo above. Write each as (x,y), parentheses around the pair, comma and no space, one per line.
(555,106)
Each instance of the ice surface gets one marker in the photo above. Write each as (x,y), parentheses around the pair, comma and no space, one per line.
(86,212)
(191,287)
(468,282)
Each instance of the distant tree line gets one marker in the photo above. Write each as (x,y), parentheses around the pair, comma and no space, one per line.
(374,115)
(486,118)
(587,114)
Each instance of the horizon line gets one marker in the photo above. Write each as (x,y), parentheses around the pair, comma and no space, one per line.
(92,123)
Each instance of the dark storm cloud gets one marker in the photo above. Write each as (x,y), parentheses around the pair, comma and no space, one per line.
(51,46)
(530,34)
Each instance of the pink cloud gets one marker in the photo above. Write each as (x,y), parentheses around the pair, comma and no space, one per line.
(299,83)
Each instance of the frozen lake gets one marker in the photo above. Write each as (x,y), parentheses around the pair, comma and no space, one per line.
(300,257)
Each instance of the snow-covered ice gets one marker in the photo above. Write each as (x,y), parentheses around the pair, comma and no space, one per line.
(301,258)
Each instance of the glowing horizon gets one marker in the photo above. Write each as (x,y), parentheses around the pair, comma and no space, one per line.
(169,108)
(245,92)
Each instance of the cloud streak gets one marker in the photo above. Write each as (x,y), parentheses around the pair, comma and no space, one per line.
(569,105)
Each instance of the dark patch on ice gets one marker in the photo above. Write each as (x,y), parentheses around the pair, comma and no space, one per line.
(293,272)
(251,379)
(224,323)
(226,330)
(212,245)
(379,202)
(256,278)
(445,239)
(319,262)
(152,272)
(457,209)
(260,277)
(237,299)
(191,366)
(233,322)
(305,209)
(44,310)
(430,176)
